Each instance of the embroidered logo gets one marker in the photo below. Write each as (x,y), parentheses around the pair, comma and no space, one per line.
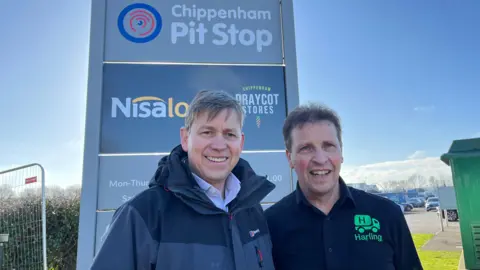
(253,233)
(368,228)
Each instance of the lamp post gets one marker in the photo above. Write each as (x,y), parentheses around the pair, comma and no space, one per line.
(3,240)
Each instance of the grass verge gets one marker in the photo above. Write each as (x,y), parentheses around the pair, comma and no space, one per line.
(435,260)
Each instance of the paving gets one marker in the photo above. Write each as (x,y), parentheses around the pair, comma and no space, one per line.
(448,240)
(461,263)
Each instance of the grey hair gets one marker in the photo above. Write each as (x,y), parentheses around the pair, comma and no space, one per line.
(212,102)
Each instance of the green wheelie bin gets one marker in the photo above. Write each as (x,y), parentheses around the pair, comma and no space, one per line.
(463,158)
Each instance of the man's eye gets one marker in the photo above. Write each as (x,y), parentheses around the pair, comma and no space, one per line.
(330,146)
(305,148)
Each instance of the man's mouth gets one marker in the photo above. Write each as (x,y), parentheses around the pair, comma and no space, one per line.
(320,172)
(216,159)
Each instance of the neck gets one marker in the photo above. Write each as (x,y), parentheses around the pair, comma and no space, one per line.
(219,185)
(324,202)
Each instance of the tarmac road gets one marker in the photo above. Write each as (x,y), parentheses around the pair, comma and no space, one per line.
(421,221)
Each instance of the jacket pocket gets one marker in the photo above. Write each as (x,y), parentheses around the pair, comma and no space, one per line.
(258,254)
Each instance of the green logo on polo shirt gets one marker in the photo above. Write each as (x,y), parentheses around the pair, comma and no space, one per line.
(367,227)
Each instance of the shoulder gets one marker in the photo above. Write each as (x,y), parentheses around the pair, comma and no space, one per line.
(147,203)
(281,208)
(375,204)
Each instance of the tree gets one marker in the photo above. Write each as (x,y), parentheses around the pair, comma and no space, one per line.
(416,181)
(6,192)
(412,181)
(421,181)
(432,181)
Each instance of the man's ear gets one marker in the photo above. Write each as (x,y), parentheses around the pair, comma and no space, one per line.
(243,141)
(184,138)
(289,157)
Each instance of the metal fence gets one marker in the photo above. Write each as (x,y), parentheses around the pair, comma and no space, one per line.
(23,218)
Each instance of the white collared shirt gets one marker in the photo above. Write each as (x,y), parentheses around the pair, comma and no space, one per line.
(232,187)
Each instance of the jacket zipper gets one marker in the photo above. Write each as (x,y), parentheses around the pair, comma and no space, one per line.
(259,257)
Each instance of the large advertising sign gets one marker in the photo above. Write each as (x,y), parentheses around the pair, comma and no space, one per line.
(144,106)
(247,31)
(148,59)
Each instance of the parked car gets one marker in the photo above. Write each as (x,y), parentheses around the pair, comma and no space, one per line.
(407,207)
(432,204)
(416,202)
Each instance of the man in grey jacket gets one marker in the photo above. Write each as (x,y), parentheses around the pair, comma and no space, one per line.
(202,209)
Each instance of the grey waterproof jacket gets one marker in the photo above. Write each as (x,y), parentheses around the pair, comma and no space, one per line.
(173,225)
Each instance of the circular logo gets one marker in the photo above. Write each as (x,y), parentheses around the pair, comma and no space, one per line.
(139,23)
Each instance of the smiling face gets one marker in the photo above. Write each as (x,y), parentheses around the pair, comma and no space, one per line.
(316,156)
(213,145)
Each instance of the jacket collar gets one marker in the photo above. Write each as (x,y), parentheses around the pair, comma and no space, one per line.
(174,174)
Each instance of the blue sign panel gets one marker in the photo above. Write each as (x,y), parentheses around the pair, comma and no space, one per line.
(207,31)
(144,106)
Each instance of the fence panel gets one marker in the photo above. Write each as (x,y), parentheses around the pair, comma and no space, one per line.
(23,218)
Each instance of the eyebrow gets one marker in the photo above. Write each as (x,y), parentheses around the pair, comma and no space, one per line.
(300,146)
(235,130)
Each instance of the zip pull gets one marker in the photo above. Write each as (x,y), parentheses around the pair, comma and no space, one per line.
(259,256)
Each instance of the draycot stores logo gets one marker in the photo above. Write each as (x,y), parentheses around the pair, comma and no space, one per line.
(258,101)
(196,25)
(148,106)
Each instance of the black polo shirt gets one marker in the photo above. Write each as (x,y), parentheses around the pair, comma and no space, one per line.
(362,231)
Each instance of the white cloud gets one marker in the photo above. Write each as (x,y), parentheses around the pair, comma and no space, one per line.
(396,170)
(429,108)
(417,155)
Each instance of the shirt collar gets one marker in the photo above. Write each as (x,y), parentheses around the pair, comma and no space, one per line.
(232,186)
(345,194)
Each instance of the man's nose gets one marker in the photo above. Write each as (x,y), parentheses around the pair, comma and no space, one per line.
(218,142)
(320,156)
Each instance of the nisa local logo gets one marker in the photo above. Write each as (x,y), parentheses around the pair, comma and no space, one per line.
(367,227)
(258,101)
(148,106)
(139,23)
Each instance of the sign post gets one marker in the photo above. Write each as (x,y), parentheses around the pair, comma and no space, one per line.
(148,59)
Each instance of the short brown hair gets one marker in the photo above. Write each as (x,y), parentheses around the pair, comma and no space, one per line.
(212,102)
(309,113)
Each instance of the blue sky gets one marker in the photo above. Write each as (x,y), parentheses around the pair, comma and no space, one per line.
(403,75)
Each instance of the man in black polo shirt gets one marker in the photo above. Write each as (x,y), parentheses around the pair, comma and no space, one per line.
(324,224)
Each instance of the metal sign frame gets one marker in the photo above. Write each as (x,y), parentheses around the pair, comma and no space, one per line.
(88,207)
